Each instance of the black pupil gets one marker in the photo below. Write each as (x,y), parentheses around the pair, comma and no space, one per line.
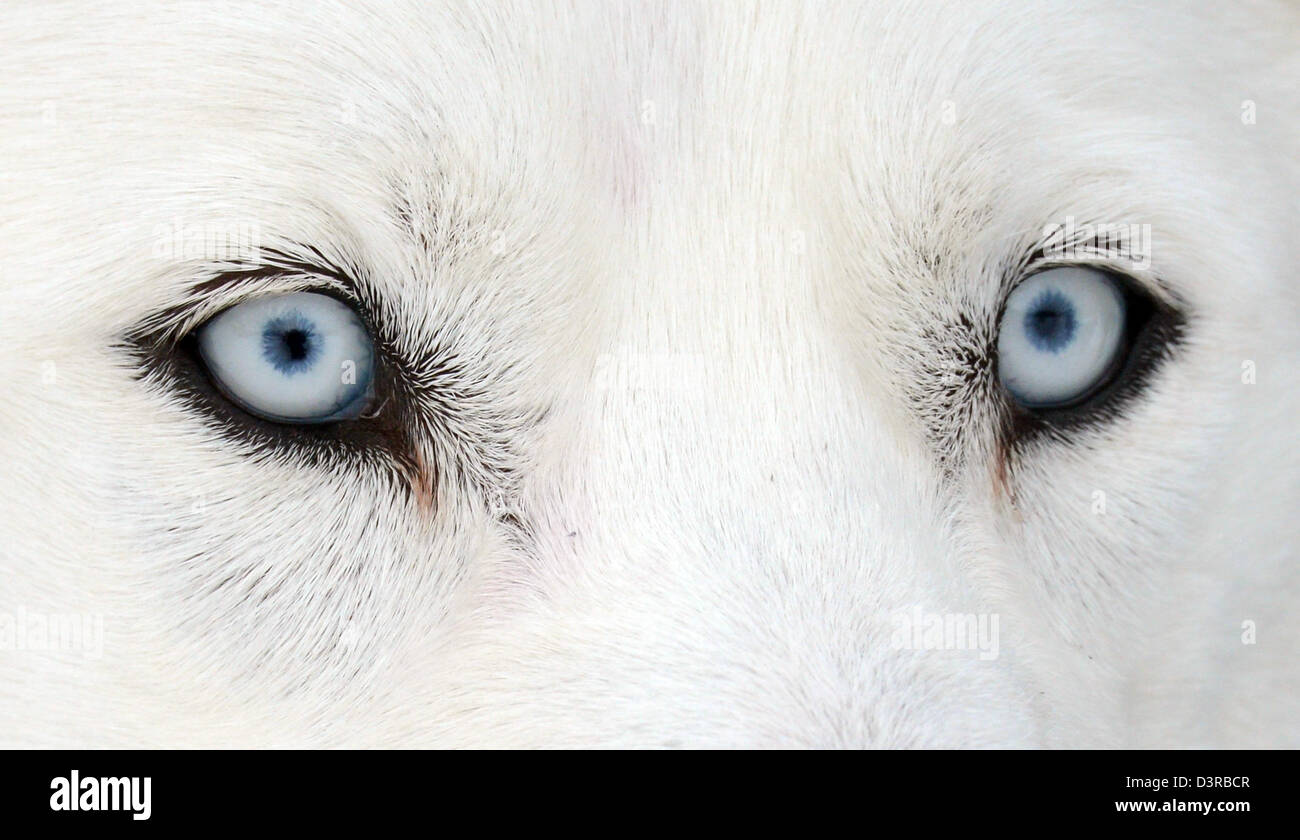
(295,342)
(1049,323)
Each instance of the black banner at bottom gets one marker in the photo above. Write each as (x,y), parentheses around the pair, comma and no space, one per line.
(140,790)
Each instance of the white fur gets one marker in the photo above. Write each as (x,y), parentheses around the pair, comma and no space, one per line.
(694,260)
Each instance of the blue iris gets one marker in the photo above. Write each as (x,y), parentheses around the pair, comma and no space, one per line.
(1050,323)
(291,343)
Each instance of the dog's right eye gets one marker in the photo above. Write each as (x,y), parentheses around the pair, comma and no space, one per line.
(301,358)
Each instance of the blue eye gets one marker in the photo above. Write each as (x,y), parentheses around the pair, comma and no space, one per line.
(1061,335)
(296,358)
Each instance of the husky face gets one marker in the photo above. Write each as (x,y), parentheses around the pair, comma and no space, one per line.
(685,416)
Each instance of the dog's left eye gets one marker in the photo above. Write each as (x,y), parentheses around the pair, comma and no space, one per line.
(296,358)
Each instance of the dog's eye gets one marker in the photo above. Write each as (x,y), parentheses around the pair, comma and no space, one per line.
(296,358)
(1063,336)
